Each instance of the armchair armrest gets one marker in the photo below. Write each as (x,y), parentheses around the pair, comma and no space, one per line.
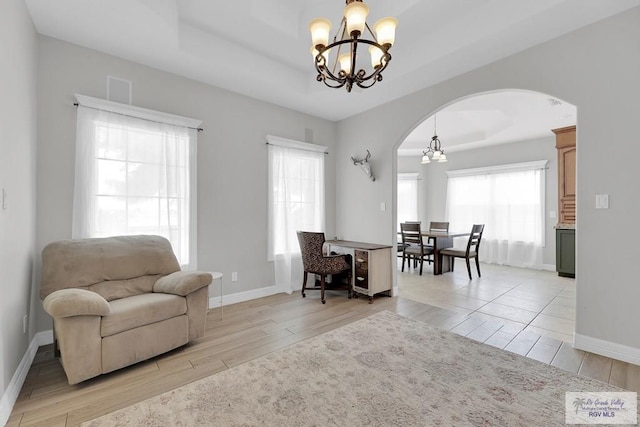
(75,302)
(182,282)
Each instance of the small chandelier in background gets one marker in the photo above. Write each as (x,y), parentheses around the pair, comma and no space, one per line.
(343,72)
(435,149)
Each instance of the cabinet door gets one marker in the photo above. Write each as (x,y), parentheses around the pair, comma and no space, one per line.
(567,184)
(567,171)
(566,253)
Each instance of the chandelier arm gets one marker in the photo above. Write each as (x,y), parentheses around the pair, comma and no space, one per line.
(343,38)
(364,85)
(323,69)
(373,36)
(338,84)
(376,75)
(354,54)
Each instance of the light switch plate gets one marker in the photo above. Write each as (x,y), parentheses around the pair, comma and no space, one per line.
(602,201)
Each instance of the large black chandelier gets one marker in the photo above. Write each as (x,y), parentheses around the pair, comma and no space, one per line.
(345,69)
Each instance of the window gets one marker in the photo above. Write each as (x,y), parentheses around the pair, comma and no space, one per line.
(135,175)
(509,200)
(296,202)
(407,197)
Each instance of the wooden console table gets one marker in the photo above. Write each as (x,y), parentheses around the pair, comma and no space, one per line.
(371,266)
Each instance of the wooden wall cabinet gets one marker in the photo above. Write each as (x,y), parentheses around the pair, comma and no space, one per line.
(566,146)
(565,229)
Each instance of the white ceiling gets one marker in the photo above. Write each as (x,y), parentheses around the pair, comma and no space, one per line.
(260,48)
(491,119)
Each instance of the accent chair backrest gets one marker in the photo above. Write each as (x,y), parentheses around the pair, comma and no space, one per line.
(311,244)
(114,267)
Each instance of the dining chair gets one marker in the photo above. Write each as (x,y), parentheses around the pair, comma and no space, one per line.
(472,250)
(401,245)
(315,262)
(414,248)
(436,226)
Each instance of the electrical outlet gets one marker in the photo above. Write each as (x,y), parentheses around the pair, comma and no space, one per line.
(234,276)
(24,324)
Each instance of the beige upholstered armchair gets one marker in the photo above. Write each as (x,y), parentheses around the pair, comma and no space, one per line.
(116,301)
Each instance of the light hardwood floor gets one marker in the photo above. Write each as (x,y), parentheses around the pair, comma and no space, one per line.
(254,328)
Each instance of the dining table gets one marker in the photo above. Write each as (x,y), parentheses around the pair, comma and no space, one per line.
(441,240)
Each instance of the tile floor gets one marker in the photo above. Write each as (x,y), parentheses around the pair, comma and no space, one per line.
(519,299)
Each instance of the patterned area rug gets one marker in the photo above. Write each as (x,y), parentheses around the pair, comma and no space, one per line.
(385,370)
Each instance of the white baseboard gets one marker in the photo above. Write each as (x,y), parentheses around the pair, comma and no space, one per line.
(15,385)
(243,296)
(606,348)
(549,267)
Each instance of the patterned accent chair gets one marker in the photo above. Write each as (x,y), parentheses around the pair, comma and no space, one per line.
(315,262)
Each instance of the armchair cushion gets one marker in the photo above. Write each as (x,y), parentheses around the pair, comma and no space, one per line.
(75,302)
(182,282)
(140,310)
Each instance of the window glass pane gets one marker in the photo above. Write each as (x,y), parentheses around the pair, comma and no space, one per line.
(308,191)
(176,180)
(294,190)
(110,215)
(143,213)
(111,178)
(407,200)
(145,180)
(293,168)
(110,142)
(145,147)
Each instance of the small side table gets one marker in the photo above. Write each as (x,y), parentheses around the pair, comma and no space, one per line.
(217,275)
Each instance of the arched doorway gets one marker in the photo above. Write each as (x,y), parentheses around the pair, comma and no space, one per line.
(489,129)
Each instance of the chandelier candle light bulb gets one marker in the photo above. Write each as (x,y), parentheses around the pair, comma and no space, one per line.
(353,32)
(345,62)
(386,30)
(320,28)
(356,15)
(376,56)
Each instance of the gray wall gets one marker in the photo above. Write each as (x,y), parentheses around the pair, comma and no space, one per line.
(432,188)
(18,51)
(596,69)
(232,156)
